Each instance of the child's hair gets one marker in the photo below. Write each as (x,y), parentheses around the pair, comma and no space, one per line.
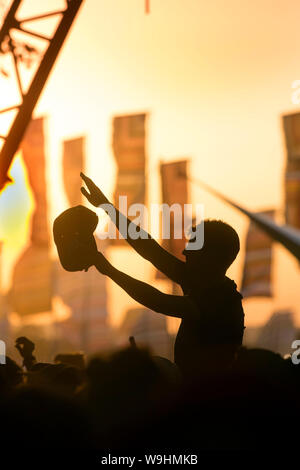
(222,240)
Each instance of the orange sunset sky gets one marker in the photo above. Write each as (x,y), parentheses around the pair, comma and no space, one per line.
(215,77)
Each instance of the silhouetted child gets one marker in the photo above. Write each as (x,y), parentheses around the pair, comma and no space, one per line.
(212,316)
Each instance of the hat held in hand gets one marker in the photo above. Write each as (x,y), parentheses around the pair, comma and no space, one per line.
(73,235)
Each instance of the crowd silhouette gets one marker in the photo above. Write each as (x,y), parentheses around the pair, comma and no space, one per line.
(217,395)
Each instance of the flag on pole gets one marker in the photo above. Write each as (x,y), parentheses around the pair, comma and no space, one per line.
(174,186)
(147,6)
(33,152)
(73,164)
(257,279)
(84,293)
(289,237)
(31,290)
(129,147)
(291,124)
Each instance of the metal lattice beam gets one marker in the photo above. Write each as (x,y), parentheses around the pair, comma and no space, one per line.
(29,99)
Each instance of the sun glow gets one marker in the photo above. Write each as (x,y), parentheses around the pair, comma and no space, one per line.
(16,206)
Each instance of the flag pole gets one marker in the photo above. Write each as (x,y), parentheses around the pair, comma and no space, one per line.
(286,235)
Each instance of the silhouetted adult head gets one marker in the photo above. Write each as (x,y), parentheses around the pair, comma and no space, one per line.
(220,248)
(61,378)
(11,374)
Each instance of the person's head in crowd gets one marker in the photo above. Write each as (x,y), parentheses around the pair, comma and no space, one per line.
(11,375)
(61,378)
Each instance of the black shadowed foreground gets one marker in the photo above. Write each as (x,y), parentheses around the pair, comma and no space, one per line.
(130,401)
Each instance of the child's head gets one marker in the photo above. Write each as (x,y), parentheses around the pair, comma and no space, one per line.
(220,248)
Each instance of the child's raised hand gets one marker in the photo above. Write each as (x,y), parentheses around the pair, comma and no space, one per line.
(94,195)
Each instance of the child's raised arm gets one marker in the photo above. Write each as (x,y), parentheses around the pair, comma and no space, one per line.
(150,297)
(145,245)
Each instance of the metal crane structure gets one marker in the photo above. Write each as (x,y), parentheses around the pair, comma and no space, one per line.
(29,98)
